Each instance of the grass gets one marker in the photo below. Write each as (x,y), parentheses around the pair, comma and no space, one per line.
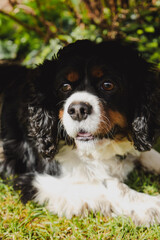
(31,221)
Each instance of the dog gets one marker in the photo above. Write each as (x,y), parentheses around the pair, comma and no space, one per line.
(74,127)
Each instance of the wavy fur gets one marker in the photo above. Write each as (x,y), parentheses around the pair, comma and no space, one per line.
(107,139)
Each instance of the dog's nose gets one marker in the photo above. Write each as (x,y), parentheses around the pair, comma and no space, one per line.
(79,110)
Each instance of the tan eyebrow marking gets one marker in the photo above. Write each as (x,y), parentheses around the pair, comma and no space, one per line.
(97,72)
(72,76)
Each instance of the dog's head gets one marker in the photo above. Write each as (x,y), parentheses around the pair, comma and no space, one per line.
(106,90)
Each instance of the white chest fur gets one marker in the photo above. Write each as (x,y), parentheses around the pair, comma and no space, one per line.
(97,161)
(92,180)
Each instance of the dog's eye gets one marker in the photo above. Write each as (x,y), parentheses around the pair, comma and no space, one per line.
(66,87)
(107,86)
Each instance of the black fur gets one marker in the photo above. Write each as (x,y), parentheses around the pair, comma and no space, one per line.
(28,121)
(24,184)
(32,99)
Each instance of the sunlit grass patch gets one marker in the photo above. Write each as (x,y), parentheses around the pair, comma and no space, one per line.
(31,221)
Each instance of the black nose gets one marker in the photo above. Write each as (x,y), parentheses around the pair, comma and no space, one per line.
(79,110)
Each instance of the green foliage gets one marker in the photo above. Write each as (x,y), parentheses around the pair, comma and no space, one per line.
(142,26)
(36,29)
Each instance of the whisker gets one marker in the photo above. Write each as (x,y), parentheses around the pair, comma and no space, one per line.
(107,120)
(104,116)
(107,129)
(63,101)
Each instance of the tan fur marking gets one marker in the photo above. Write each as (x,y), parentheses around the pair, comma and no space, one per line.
(61,114)
(109,119)
(117,118)
(105,123)
(97,72)
(72,76)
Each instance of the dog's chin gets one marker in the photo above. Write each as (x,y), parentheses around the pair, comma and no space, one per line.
(86,141)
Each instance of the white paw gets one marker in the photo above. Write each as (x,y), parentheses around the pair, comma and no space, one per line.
(68,207)
(66,198)
(79,200)
(146,213)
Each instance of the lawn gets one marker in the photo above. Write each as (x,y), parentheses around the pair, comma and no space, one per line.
(30,221)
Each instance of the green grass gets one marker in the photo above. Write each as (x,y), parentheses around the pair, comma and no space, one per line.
(30,221)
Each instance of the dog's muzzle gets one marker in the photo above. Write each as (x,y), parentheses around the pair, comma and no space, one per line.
(81,117)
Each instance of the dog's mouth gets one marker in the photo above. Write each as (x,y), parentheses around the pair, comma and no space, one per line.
(84,136)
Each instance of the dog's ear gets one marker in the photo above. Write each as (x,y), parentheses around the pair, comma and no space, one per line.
(143,93)
(145,123)
(11,73)
(42,109)
(43,77)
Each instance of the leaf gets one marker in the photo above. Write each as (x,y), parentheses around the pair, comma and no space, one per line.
(8,49)
(149,29)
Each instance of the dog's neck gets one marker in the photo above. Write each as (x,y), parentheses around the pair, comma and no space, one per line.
(94,161)
(105,148)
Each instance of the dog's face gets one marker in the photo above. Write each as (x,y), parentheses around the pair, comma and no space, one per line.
(95,99)
(105,91)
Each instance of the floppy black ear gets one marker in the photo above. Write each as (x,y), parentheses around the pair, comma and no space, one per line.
(42,110)
(143,93)
(146,118)
(11,73)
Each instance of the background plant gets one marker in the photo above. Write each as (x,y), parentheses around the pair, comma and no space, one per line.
(32,30)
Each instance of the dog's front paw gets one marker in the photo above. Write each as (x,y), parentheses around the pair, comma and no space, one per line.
(67,206)
(146,213)
(70,205)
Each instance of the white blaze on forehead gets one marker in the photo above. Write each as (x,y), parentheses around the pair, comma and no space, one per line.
(93,120)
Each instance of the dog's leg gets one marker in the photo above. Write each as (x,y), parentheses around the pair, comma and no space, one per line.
(142,208)
(63,196)
(19,158)
(66,198)
(151,161)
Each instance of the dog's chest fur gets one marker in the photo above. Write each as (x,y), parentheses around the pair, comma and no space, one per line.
(97,162)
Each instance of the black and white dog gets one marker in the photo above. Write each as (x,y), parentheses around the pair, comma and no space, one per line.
(74,127)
